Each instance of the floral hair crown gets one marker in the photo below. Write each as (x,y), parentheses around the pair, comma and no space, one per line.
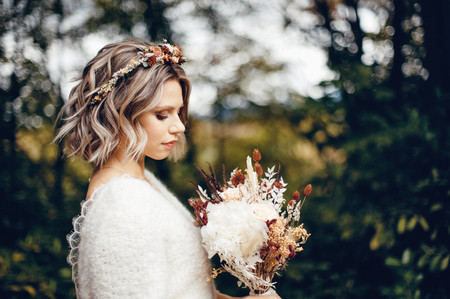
(165,53)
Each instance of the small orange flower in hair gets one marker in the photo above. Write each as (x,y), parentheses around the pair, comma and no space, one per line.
(177,51)
(156,50)
(165,49)
(151,61)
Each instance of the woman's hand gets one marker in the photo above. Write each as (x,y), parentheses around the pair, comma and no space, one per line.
(268,296)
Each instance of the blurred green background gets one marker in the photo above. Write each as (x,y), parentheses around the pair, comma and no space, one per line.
(374,140)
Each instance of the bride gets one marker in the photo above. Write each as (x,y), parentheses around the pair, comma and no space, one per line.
(133,238)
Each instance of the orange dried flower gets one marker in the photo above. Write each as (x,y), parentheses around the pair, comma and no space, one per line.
(156,50)
(177,51)
(269,222)
(151,61)
(165,49)
(258,169)
(163,54)
(308,190)
(273,244)
(256,155)
(278,185)
(238,178)
(296,196)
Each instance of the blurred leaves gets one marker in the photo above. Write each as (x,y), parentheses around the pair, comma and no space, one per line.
(22,269)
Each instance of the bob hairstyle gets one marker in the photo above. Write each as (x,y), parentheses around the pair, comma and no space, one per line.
(94,132)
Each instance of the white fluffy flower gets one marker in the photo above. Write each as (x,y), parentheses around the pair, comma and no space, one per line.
(264,211)
(230,194)
(234,233)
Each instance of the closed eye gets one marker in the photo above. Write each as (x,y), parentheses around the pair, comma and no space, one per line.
(165,112)
(161,116)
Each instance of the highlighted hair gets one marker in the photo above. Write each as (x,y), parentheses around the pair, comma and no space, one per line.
(94,132)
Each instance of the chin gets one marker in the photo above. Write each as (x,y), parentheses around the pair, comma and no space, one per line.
(160,156)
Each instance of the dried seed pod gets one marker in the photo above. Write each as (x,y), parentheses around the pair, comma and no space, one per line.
(258,169)
(256,155)
(308,190)
(296,196)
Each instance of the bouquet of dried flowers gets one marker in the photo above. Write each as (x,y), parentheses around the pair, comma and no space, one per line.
(247,223)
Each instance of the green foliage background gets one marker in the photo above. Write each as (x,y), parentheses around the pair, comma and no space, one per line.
(375,148)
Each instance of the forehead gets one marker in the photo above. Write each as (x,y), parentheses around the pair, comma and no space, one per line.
(172,94)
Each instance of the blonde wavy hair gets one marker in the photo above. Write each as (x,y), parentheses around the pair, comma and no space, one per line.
(95,131)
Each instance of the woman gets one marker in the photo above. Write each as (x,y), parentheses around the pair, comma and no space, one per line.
(133,239)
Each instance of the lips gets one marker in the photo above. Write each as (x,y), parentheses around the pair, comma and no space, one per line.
(170,144)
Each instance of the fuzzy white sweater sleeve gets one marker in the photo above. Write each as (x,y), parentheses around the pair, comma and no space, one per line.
(129,246)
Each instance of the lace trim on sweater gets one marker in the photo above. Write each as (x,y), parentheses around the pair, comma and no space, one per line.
(74,240)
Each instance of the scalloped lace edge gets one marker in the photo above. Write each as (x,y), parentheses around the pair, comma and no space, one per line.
(74,240)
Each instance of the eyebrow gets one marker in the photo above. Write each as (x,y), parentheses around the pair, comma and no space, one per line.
(167,107)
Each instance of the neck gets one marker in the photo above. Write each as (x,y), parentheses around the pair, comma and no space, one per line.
(128,166)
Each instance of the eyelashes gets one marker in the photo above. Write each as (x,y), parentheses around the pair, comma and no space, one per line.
(164,115)
(161,117)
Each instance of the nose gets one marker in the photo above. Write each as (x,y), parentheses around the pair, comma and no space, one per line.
(177,127)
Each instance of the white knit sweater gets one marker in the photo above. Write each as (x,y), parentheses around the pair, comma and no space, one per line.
(136,240)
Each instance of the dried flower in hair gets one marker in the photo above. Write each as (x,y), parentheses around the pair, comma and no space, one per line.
(156,50)
(96,99)
(175,59)
(177,50)
(308,190)
(147,58)
(151,61)
(238,178)
(165,49)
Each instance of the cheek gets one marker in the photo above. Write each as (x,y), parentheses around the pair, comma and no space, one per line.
(146,124)
(153,128)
